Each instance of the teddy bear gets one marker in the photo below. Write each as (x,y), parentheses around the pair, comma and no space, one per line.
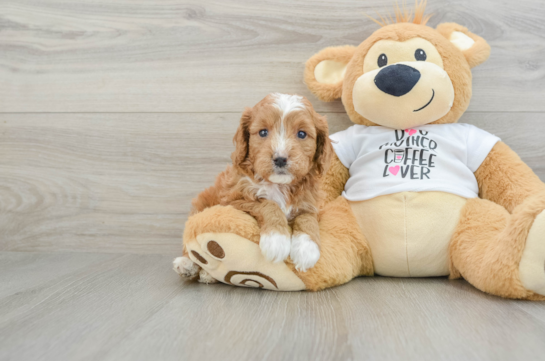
(410,192)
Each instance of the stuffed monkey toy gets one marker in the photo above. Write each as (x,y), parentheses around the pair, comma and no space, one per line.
(411,193)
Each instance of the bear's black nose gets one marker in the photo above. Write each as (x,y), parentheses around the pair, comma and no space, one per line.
(397,79)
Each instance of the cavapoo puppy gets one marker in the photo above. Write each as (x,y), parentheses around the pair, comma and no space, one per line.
(282,149)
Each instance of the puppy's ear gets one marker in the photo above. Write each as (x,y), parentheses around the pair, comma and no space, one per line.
(475,49)
(324,72)
(324,149)
(242,144)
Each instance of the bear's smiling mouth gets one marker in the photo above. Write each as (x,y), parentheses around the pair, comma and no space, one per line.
(428,103)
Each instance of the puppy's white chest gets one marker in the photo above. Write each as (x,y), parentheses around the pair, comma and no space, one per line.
(275,193)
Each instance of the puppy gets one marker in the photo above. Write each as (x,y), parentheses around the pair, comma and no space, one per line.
(282,149)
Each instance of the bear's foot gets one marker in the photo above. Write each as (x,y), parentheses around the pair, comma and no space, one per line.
(532,264)
(235,260)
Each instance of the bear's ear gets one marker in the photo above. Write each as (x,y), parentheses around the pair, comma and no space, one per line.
(324,72)
(475,49)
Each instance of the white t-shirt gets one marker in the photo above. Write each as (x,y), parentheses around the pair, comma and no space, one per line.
(437,157)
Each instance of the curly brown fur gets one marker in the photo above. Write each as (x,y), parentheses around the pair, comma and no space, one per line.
(249,185)
(334,180)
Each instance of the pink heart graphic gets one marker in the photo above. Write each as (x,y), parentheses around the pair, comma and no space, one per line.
(410,131)
(394,170)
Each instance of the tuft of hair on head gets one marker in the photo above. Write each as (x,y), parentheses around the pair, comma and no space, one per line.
(404,15)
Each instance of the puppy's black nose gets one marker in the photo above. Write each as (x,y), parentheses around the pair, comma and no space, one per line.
(280,162)
(397,79)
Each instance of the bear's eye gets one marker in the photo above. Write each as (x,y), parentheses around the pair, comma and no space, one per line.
(301,135)
(263,133)
(420,55)
(382,60)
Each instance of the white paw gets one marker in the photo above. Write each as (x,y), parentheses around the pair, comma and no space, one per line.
(204,277)
(185,267)
(304,252)
(275,246)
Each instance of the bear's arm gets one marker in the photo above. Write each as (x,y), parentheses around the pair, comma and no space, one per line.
(505,179)
(334,180)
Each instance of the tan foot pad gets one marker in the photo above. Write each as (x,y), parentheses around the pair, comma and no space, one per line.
(234,260)
(532,264)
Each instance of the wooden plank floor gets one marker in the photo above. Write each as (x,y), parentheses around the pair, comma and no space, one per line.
(133,307)
(115,113)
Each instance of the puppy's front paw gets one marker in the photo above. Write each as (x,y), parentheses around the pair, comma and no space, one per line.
(304,252)
(185,267)
(275,246)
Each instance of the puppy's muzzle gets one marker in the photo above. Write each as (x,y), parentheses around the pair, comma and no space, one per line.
(280,162)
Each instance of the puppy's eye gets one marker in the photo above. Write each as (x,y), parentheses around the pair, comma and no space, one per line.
(301,135)
(263,133)
(420,55)
(382,60)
